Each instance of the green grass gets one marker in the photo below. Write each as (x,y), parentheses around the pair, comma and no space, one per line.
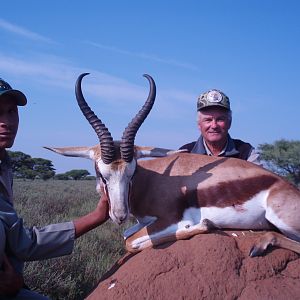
(41,203)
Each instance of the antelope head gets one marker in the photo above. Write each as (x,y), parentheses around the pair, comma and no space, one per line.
(115,161)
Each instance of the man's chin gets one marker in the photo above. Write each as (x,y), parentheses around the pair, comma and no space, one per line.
(6,145)
(215,139)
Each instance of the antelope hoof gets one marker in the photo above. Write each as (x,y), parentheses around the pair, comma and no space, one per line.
(263,243)
(256,251)
(259,249)
(208,224)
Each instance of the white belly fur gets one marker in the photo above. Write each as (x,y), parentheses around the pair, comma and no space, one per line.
(250,215)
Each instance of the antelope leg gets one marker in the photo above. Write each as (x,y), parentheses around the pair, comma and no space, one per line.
(276,240)
(161,232)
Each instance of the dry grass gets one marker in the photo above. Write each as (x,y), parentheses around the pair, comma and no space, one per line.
(71,277)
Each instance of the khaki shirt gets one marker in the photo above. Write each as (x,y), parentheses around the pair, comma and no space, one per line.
(26,244)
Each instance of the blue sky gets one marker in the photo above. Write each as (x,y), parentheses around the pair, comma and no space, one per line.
(248,49)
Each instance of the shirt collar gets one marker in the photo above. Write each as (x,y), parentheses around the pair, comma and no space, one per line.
(209,152)
(229,149)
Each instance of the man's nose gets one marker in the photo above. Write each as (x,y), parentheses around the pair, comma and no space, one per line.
(214,123)
(5,122)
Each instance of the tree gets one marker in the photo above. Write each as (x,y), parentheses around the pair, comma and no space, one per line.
(283,158)
(43,168)
(26,173)
(24,166)
(77,174)
(61,176)
(21,162)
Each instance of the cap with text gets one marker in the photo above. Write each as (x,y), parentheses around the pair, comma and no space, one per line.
(6,89)
(213,98)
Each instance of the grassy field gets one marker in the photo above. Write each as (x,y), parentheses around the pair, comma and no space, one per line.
(70,277)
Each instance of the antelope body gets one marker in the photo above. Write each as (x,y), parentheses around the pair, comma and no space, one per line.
(182,194)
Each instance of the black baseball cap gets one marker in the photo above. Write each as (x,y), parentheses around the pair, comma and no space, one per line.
(6,89)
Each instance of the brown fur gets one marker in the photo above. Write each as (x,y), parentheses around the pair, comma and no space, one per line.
(165,187)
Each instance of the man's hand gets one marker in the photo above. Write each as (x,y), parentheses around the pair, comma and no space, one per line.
(10,281)
(103,208)
(93,219)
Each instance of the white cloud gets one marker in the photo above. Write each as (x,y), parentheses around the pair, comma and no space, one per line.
(144,56)
(113,92)
(23,32)
(53,71)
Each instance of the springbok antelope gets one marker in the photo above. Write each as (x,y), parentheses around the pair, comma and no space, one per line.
(181,194)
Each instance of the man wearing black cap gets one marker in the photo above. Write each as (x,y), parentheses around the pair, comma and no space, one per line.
(19,244)
(214,121)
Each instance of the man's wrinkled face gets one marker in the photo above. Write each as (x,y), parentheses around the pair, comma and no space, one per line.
(214,124)
(9,121)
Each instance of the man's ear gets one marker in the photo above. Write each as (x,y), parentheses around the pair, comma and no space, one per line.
(198,120)
(230,121)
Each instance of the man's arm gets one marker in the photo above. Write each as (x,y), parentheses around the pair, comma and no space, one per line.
(93,219)
(50,241)
(10,280)
(188,147)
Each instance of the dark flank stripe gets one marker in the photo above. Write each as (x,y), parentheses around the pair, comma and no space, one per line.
(229,193)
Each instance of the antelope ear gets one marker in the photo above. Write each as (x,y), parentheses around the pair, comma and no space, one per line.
(141,152)
(85,152)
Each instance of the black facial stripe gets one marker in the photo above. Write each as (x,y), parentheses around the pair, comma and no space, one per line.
(102,178)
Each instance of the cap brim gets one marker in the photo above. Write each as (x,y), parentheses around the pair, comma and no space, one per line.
(17,95)
(213,105)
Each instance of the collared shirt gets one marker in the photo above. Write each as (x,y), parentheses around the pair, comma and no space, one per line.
(234,148)
(26,244)
(6,177)
(209,153)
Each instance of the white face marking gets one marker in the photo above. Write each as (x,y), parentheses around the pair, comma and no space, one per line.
(117,181)
(98,185)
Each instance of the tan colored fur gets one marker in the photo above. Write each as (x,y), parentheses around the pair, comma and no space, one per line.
(164,189)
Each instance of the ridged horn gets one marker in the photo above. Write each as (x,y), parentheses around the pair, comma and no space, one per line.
(105,138)
(127,142)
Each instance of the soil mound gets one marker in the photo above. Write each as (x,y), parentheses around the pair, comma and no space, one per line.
(208,266)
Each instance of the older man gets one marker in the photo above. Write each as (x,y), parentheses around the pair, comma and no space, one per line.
(214,120)
(19,244)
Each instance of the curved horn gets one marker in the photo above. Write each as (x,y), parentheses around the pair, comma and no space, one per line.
(127,143)
(105,138)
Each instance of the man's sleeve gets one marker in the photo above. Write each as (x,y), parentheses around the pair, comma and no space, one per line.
(188,146)
(35,243)
(254,157)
